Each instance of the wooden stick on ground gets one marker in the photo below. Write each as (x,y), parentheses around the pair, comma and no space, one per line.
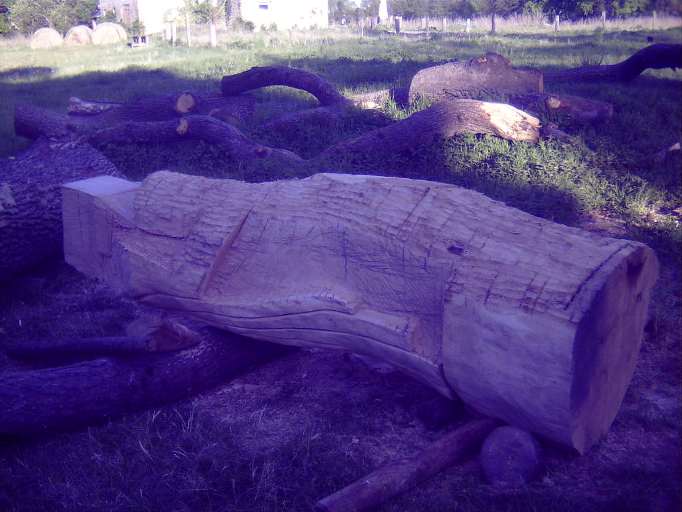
(400,476)
(167,336)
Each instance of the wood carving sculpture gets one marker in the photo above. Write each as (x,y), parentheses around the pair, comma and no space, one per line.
(526,320)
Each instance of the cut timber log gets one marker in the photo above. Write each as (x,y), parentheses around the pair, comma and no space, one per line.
(655,56)
(528,321)
(168,336)
(400,476)
(258,77)
(30,200)
(484,77)
(40,401)
(571,109)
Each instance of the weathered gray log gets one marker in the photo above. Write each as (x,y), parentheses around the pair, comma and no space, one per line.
(167,336)
(400,476)
(655,56)
(529,321)
(258,77)
(41,401)
(30,200)
(490,75)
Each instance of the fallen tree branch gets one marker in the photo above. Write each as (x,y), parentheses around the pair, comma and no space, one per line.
(655,56)
(167,336)
(398,477)
(257,77)
(160,108)
(40,401)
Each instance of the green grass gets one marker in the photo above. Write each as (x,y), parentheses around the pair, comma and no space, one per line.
(287,434)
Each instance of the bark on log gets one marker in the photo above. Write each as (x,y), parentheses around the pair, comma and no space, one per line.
(258,77)
(30,200)
(167,336)
(400,476)
(529,321)
(655,56)
(440,121)
(482,77)
(41,401)
(571,109)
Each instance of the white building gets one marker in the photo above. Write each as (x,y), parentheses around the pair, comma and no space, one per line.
(286,14)
(153,14)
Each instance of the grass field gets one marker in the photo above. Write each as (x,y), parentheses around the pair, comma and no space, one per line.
(302,427)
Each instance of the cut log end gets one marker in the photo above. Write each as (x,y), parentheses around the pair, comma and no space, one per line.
(185,103)
(608,341)
(511,123)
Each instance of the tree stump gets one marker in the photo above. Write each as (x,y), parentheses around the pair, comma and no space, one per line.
(528,321)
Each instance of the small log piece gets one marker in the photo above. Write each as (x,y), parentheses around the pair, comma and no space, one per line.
(490,75)
(400,476)
(528,321)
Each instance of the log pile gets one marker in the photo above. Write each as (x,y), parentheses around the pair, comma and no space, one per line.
(528,321)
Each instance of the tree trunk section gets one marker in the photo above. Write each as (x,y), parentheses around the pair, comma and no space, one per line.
(528,321)
(400,476)
(30,200)
(655,56)
(483,77)
(44,400)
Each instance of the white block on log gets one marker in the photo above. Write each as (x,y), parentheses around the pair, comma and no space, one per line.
(526,320)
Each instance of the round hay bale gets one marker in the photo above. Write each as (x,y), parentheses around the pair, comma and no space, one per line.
(109,33)
(46,38)
(78,35)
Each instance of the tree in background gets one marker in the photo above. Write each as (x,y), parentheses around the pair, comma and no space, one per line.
(495,8)
(30,15)
(5,23)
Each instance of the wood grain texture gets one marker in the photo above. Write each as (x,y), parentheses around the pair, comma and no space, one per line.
(529,321)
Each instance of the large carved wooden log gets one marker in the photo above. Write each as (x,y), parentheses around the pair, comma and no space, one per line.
(30,200)
(40,401)
(487,76)
(655,56)
(400,476)
(258,77)
(529,321)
